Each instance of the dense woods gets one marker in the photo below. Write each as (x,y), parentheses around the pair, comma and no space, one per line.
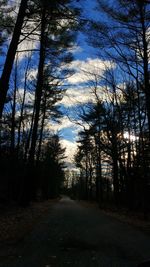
(113,155)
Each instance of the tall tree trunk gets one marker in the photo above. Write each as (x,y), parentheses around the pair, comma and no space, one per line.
(22,107)
(39,87)
(42,128)
(13,112)
(28,141)
(115,172)
(100,168)
(86,178)
(147,94)
(4,81)
(99,186)
(145,63)
(12,166)
(90,177)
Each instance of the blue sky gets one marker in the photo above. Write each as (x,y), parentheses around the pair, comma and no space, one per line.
(82,54)
(78,92)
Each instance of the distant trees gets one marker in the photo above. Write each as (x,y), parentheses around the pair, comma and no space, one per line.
(115,126)
(51,166)
(84,160)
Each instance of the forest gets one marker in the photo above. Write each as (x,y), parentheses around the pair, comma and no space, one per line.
(112,161)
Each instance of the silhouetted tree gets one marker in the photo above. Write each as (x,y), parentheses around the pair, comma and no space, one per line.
(5,77)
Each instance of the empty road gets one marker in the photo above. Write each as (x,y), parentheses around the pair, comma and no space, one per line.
(74,235)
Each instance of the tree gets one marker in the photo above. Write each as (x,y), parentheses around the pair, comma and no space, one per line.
(125,39)
(84,160)
(55,40)
(5,22)
(5,77)
(52,160)
(52,26)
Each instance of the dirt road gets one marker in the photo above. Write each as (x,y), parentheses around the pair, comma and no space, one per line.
(74,235)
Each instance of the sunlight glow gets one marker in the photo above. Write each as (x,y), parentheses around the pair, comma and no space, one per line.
(130,137)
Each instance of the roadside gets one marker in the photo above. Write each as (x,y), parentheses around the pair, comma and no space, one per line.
(136,219)
(16,222)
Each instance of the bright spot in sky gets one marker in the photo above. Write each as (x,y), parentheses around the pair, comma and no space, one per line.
(71,149)
(130,137)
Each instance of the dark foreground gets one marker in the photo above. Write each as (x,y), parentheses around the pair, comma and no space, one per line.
(74,235)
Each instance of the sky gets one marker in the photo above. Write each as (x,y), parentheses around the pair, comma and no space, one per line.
(79,91)
(85,59)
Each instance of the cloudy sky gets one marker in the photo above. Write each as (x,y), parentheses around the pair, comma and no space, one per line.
(79,90)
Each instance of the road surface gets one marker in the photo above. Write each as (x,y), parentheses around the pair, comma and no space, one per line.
(74,235)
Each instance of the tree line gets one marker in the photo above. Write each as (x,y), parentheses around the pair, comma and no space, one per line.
(114,144)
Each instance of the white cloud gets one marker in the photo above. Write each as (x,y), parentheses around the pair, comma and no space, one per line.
(29,41)
(82,95)
(71,148)
(84,69)
(76,96)
(32,74)
(76,49)
(64,123)
(29,97)
(25,48)
(82,81)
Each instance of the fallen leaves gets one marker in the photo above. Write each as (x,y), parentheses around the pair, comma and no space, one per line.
(16,222)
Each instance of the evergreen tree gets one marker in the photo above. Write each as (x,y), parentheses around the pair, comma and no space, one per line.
(52,160)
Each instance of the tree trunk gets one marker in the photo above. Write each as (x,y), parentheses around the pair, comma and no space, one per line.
(13,113)
(145,64)
(42,128)
(115,176)
(99,186)
(4,81)
(22,106)
(86,178)
(38,94)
